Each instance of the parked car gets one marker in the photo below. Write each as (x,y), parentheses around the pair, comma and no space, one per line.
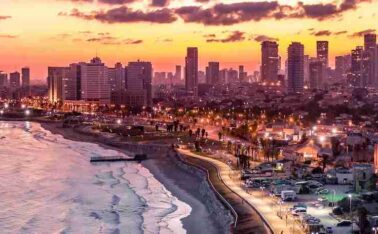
(298,211)
(344,223)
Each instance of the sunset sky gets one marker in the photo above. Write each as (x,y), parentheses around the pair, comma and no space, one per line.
(41,33)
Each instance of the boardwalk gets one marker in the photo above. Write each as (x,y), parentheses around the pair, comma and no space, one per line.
(248,219)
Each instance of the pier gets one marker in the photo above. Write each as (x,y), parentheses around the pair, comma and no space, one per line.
(137,158)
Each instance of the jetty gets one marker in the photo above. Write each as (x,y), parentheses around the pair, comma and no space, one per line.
(136,158)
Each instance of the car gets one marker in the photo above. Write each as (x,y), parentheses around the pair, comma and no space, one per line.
(344,223)
(322,191)
(329,230)
(298,211)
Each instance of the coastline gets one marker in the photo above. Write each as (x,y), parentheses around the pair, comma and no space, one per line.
(188,187)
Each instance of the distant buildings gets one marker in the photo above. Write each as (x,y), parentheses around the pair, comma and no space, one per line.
(178,73)
(295,67)
(342,66)
(82,83)
(269,61)
(242,74)
(191,71)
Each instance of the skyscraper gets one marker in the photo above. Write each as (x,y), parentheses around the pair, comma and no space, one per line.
(191,71)
(342,66)
(357,66)
(295,67)
(178,74)
(139,81)
(15,84)
(25,77)
(117,79)
(242,74)
(316,73)
(55,82)
(95,85)
(322,52)
(3,85)
(370,47)
(269,61)
(212,73)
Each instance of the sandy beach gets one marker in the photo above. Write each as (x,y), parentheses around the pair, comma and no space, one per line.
(187,186)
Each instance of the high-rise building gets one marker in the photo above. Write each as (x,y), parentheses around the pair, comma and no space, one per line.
(212,73)
(55,82)
(306,67)
(370,46)
(356,76)
(15,84)
(3,85)
(269,61)
(95,85)
(316,68)
(178,74)
(72,82)
(117,79)
(322,52)
(191,71)
(139,81)
(25,78)
(295,67)
(242,74)
(342,66)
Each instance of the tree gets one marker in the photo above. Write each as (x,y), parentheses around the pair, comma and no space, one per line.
(363,223)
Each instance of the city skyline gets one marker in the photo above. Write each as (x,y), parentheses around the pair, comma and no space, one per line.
(80,35)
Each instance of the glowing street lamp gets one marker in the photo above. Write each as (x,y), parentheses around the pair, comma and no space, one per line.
(6,105)
(1,112)
(321,139)
(119,121)
(27,112)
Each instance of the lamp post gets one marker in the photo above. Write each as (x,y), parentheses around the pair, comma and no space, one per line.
(375,229)
(350,204)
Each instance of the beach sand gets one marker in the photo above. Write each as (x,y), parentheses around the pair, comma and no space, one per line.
(182,184)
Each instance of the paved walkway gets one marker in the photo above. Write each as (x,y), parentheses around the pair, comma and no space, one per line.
(258,200)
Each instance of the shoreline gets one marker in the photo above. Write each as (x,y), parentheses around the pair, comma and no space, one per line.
(184,185)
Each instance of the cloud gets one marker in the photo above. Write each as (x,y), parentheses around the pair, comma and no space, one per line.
(217,13)
(261,38)
(124,14)
(234,13)
(5,17)
(106,38)
(8,36)
(340,32)
(233,37)
(322,33)
(159,3)
(362,33)
(227,14)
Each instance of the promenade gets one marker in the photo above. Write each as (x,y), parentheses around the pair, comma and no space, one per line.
(243,201)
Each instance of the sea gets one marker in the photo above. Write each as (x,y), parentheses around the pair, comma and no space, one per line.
(48,185)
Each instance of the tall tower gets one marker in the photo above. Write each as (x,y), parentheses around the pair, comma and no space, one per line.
(370,44)
(357,66)
(269,61)
(295,67)
(139,79)
(25,78)
(322,52)
(212,73)
(191,70)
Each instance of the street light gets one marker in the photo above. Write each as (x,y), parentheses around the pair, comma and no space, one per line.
(27,112)
(375,229)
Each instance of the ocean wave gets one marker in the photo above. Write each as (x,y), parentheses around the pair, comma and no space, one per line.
(52,188)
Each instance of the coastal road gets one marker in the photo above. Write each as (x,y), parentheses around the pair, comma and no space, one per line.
(262,204)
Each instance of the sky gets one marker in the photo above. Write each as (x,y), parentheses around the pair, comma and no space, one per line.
(42,33)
